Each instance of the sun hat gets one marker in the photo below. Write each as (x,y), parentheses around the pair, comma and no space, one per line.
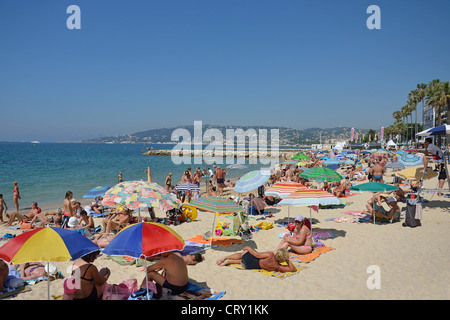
(299,218)
(73,222)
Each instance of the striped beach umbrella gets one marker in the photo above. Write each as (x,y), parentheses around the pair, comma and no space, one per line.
(187,186)
(252,180)
(310,197)
(283,189)
(395,166)
(216,204)
(321,174)
(410,160)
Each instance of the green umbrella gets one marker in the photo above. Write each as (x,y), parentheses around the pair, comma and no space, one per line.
(300,156)
(321,174)
(217,205)
(374,187)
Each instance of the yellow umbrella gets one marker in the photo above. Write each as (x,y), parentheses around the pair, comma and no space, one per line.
(415,173)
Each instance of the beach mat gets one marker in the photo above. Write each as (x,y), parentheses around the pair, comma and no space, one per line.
(306,258)
(224,242)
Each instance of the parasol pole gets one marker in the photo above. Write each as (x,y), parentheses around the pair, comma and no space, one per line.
(149,175)
(146,275)
(48,280)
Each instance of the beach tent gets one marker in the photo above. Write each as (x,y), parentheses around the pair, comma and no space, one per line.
(391,145)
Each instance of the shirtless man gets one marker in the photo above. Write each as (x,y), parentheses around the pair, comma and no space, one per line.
(289,175)
(377,172)
(67,205)
(175,276)
(220,178)
(23,217)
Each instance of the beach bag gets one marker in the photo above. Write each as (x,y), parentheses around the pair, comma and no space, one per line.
(119,291)
(410,216)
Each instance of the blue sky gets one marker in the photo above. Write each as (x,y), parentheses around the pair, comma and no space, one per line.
(137,65)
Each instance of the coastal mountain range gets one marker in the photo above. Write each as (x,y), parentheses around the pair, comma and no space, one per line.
(287,136)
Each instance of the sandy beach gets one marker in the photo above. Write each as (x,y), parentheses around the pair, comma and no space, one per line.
(413,262)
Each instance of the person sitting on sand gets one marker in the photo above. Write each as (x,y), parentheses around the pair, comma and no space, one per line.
(91,281)
(300,241)
(23,217)
(56,218)
(175,274)
(86,222)
(339,190)
(252,259)
(381,213)
(4,273)
(31,270)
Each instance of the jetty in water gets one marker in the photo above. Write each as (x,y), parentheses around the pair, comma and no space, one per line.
(252,153)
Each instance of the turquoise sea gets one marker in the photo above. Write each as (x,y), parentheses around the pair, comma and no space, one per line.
(45,171)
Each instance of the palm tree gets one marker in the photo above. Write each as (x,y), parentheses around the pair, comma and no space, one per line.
(413,97)
(420,94)
(405,113)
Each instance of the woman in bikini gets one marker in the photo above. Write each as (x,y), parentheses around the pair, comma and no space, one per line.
(300,241)
(16,195)
(31,270)
(91,281)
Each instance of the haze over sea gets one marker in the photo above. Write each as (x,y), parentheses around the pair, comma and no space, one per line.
(45,171)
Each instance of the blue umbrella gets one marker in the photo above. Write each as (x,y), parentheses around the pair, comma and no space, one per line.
(439,130)
(395,165)
(410,160)
(96,192)
(401,152)
(333,166)
(252,180)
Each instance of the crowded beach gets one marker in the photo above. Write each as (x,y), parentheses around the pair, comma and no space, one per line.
(379,225)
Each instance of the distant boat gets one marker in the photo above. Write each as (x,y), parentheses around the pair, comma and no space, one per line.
(35,141)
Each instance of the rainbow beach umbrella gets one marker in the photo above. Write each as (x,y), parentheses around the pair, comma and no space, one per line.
(283,189)
(144,239)
(47,244)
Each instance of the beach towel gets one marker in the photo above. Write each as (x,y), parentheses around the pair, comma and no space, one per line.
(14,284)
(276,274)
(224,242)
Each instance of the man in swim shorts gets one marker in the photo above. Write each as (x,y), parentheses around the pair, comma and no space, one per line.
(175,274)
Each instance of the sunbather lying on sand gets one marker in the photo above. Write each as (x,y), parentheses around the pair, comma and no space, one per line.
(252,259)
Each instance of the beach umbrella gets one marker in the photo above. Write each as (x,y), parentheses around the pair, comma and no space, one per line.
(395,165)
(410,160)
(144,239)
(310,197)
(218,205)
(301,156)
(287,162)
(237,166)
(415,173)
(333,166)
(439,130)
(140,194)
(332,161)
(252,180)
(373,187)
(187,186)
(96,192)
(401,152)
(47,244)
(321,174)
(283,189)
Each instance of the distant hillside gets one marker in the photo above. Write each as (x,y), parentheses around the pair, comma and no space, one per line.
(287,136)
